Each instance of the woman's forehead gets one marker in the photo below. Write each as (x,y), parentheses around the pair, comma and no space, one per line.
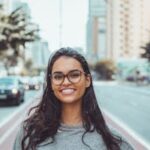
(65,63)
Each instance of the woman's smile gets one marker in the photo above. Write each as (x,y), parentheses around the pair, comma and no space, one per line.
(67,91)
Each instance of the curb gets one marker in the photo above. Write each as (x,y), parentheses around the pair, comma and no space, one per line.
(15,119)
(134,139)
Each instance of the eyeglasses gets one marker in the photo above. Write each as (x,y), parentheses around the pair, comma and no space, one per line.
(74,76)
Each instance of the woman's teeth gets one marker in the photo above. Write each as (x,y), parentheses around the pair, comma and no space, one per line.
(67,91)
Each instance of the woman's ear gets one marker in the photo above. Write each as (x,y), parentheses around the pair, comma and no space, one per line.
(88,81)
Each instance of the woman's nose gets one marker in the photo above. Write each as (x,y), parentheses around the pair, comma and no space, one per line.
(66,81)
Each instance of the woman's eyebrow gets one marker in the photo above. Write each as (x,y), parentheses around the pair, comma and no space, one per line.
(67,72)
(57,72)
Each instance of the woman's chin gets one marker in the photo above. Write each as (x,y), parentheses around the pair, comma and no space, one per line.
(69,100)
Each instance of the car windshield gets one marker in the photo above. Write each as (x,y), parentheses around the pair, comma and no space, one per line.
(6,82)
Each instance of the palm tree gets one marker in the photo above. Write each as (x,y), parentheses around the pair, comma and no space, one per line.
(16,29)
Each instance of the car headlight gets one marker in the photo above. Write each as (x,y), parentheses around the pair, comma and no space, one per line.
(37,87)
(14,91)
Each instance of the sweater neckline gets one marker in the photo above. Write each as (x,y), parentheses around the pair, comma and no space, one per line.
(66,127)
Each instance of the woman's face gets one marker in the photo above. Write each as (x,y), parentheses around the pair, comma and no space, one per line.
(66,91)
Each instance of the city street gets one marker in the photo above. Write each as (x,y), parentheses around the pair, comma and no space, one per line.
(8,111)
(114,39)
(129,104)
(12,116)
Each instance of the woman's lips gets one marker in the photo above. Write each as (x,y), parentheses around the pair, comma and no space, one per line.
(67,91)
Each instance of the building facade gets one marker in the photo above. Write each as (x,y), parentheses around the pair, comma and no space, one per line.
(117,28)
(126,28)
(38,52)
(96,29)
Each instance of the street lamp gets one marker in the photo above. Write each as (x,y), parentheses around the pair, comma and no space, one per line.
(60,23)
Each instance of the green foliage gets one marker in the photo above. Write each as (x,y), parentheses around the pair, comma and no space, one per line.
(106,69)
(16,29)
(146,53)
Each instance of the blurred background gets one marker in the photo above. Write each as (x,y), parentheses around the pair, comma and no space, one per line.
(113,35)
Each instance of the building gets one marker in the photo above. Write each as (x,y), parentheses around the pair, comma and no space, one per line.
(117,28)
(38,52)
(96,29)
(128,23)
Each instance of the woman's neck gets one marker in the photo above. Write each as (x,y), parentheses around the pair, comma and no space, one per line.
(71,115)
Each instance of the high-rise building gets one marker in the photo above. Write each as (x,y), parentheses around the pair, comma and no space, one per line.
(117,28)
(127,28)
(38,52)
(96,29)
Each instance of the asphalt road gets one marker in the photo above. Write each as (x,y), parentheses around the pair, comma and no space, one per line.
(11,118)
(131,105)
(7,111)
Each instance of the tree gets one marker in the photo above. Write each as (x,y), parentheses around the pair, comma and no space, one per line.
(105,68)
(146,53)
(16,29)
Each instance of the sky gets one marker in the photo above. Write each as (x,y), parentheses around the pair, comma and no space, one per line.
(67,26)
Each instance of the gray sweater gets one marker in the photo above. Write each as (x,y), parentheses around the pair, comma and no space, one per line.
(70,138)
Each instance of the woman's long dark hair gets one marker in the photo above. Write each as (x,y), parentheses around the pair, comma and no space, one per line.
(45,120)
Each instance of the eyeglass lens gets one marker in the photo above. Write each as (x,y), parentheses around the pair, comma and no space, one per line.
(73,76)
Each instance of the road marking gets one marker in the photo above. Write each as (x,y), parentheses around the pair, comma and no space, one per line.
(13,114)
(16,123)
(105,83)
(10,131)
(18,110)
(131,132)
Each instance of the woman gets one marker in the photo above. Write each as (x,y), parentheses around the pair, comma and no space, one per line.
(68,116)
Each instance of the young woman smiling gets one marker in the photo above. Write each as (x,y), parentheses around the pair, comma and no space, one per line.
(68,116)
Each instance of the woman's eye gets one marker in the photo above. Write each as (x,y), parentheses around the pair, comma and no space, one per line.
(58,77)
(74,75)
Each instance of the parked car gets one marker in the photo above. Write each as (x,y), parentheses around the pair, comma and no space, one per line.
(11,90)
(32,84)
(130,78)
